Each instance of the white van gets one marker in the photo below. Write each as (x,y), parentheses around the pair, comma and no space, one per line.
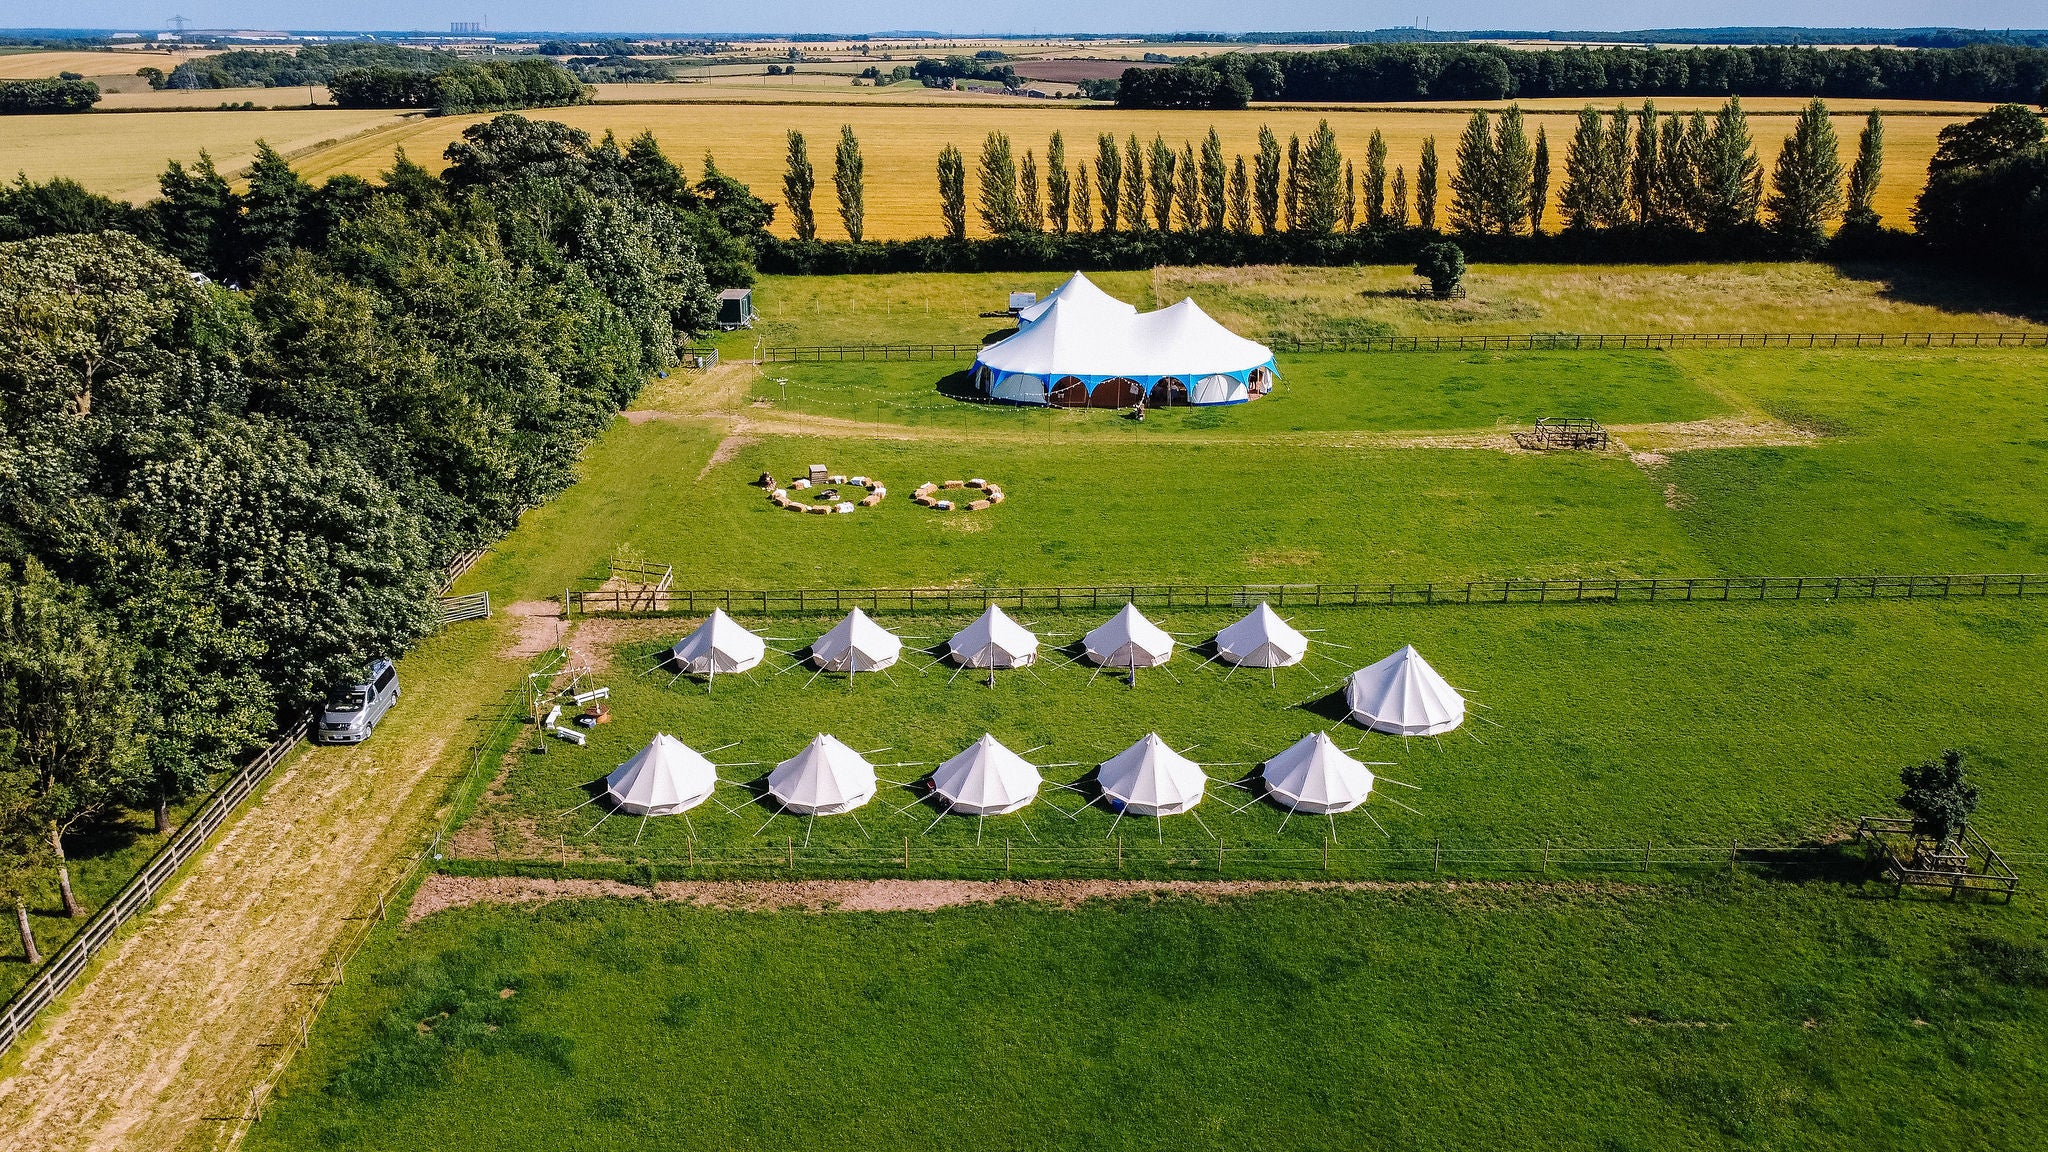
(352,712)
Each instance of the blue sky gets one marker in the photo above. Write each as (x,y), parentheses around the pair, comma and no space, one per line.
(1038,16)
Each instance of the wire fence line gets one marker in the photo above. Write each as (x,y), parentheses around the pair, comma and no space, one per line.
(1611,590)
(135,896)
(1139,852)
(1499,342)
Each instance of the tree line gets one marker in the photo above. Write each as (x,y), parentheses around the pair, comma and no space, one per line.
(488,86)
(1697,172)
(215,503)
(1983,72)
(31,97)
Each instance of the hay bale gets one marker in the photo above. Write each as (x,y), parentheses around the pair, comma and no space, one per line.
(860,480)
(925,489)
(800,483)
(878,492)
(818,509)
(954,484)
(871,499)
(977,482)
(843,507)
(977,505)
(835,479)
(995,496)
(923,501)
(944,505)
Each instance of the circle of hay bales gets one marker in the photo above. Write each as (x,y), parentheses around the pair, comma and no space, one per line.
(931,494)
(779,493)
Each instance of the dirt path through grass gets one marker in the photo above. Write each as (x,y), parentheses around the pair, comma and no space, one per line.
(194,1005)
(1676,436)
(440,893)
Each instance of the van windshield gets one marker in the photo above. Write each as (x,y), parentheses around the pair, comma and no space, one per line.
(352,701)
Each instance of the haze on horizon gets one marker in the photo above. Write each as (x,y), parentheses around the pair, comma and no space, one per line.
(1045,17)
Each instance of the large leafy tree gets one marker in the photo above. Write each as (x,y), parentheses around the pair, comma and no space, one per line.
(66,715)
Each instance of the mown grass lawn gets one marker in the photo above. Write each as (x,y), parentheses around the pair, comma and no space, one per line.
(1377,391)
(1700,1008)
(1727,1014)
(1601,727)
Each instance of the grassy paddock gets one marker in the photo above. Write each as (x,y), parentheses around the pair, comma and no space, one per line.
(1319,392)
(1786,740)
(1349,303)
(1725,1015)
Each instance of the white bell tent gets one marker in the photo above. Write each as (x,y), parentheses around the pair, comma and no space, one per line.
(1404,696)
(662,779)
(1081,348)
(1314,775)
(719,645)
(1261,640)
(986,780)
(1128,640)
(993,641)
(1151,779)
(824,779)
(856,644)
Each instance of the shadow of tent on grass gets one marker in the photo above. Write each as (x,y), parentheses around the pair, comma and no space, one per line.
(959,386)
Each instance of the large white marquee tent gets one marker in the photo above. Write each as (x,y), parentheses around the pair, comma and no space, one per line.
(1082,348)
(856,644)
(1403,695)
(719,645)
(666,777)
(986,780)
(1151,779)
(824,779)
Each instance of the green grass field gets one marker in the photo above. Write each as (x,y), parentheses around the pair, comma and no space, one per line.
(1683,1007)
(1745,1014)
(1787,737)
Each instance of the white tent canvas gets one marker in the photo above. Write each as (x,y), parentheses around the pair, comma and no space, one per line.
(1403,695)
(1073,344)
(1261,640)
(1078,292)
(1128,640)
(986,780)
(993,641)
(824,779)
(1151,779)
(666,777)
(719,645)
(1314,775)
(856,644)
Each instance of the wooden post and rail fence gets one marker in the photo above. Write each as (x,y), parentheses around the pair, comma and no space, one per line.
(1095,597)
(1499,342)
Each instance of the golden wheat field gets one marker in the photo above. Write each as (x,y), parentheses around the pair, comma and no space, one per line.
(121,155)
(36,65)
(901,145)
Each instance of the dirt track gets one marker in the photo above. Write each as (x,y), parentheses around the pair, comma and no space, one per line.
(441,893)
(166,1038)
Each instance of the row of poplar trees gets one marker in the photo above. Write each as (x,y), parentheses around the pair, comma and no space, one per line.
(1697,172)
